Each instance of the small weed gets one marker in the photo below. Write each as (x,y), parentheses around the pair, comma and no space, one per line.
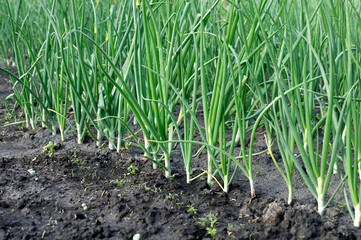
(340,206)
(170,196)
(209,222)
(119,182)
(146,187)
(211,231)
(7,117)
(49,149)
(101,147)
(191,209)
(74,159)
(132,169)
(252,234)
(156,189)
(259,171)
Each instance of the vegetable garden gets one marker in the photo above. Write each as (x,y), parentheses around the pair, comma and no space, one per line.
(192,88)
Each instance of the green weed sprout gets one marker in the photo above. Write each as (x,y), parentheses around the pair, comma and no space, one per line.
(49,149)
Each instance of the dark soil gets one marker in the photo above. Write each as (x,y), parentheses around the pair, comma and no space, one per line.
(83,192)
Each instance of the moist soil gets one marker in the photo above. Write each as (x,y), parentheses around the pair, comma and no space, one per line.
(87,192)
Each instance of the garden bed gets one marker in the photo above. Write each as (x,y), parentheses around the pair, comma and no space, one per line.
(87,192)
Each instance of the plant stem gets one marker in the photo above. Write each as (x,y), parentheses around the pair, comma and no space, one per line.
(79,133)
(320,196)
(112,139)
(167,165)
(253,191)
(210,168)
(290,194)
(225,184)
(357,219)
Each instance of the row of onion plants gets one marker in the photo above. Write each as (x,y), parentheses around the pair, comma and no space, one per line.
(202,76)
